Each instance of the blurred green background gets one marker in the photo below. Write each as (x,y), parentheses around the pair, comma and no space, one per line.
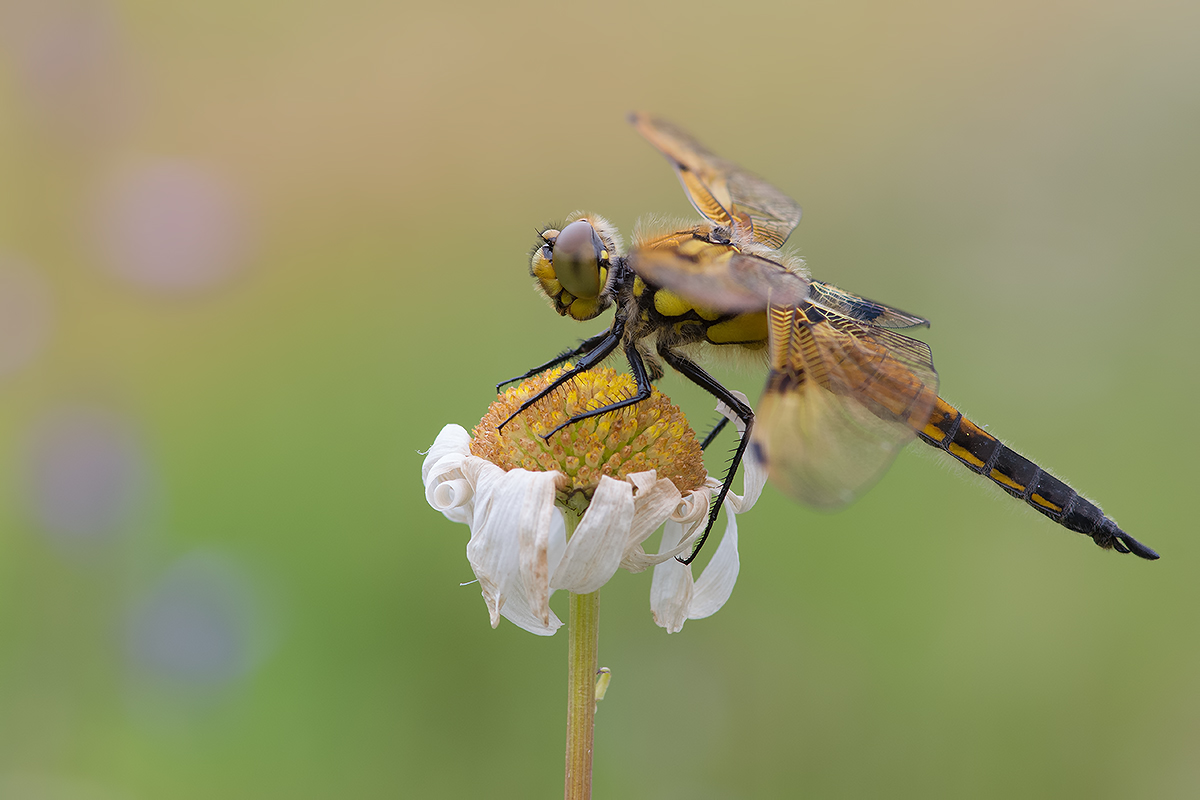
(254,255)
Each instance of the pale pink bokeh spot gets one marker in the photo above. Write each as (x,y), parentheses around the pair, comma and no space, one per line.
(85,475)
(170,226)
(69,64)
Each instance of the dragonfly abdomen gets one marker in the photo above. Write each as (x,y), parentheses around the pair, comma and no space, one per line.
(986,455)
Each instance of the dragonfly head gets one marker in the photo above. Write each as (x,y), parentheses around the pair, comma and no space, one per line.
(573,266)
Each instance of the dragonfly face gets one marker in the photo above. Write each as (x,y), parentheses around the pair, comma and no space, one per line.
(844,390)
(574,266)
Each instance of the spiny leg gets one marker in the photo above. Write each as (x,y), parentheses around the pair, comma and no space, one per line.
(585,346)
(708,383)
(598,353)
(640,377)
(720,426)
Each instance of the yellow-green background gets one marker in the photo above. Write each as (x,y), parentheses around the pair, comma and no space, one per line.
(1022,173)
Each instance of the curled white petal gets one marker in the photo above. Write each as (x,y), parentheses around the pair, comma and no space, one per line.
(597,545)
(446,496)
(446,489)
(452,439)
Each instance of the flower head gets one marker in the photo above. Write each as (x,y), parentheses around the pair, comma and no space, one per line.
(611,481)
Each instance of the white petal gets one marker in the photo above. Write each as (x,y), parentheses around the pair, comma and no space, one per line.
(448,496)
(451,439)
(517,611)
(516,607)
(533,533)
(694,507)
(558,541)
(654,501)
(691,511)
(446,488)
(511,508)
(596,546)
(715,583)
(675,598)
(671,587)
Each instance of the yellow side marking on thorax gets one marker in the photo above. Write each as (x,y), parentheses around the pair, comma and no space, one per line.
(639,286)
(693,247)
(742,328)
(670,304)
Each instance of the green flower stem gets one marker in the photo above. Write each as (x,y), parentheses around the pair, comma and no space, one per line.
(583,637)
(583,646)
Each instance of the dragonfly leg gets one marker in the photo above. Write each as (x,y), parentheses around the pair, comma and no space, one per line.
(694,373)
(598,353)
(585,346)
(716,430)
(640,376)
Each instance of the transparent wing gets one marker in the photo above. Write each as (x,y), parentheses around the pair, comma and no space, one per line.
(860,308)
(841,399)
(714,275)
(719,189)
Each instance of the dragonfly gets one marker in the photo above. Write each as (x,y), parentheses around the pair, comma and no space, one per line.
(844,390)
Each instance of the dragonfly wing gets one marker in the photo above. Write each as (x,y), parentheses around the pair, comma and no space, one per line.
(721,190)
(716,276)
(841,399)
(860,308)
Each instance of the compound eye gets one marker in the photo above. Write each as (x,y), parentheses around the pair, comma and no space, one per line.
(577,259)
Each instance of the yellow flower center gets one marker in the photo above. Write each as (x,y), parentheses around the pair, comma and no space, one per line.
(652,434)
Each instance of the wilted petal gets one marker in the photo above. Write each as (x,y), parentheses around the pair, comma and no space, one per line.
(596,546)
(671,587)
(715,583)
(654,501)
(674,596)
(446,488)
(691,512)
(452,439)
(510,508)
(517,610)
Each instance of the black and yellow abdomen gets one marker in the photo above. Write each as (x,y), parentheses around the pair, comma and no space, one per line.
(984,454)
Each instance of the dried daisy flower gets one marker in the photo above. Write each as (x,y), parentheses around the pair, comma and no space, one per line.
(566,512)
